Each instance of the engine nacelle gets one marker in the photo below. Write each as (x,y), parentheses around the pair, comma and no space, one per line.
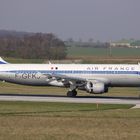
(96,87)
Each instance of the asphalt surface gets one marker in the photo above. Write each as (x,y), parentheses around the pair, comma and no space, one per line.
(78,99)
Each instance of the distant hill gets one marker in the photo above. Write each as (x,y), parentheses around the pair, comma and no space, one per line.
(5,33)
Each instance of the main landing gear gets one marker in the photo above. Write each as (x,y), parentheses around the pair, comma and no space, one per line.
(72,90)
(72,93)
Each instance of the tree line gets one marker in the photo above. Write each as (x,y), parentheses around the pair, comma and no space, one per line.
(33,46)
(90,43)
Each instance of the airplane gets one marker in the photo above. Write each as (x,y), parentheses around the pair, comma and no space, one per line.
(93,78)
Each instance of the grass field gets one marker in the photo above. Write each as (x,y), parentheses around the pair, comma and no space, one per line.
(102,55)
(116,52)
(55,121)
(65,121)
(8,88)
(19,60)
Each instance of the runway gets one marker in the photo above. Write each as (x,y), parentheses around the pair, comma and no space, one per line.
(78,99)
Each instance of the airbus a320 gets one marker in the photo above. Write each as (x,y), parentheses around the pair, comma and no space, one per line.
(93,78)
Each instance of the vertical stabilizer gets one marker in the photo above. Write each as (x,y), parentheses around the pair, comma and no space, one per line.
(2,61)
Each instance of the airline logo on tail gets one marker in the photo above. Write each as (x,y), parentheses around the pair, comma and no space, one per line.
(2,61)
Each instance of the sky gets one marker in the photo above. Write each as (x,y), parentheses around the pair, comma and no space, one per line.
(103,20)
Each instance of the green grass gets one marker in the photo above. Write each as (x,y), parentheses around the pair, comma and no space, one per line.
(116,52)
(42,108)
(102,55)
(80,51)
(68,121)
(8,88)
(19,60)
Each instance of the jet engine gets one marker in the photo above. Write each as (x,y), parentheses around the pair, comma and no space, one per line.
(96,87)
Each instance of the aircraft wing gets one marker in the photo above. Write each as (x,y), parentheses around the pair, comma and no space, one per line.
(66,79)
(77,81)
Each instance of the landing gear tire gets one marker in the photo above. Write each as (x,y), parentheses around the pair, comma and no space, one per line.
(72,93)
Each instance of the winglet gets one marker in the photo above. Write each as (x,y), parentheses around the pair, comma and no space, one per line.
(2,61)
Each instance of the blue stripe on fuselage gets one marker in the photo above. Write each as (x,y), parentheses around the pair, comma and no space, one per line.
(73,72)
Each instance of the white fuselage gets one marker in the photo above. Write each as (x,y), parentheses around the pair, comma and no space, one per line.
(35,74)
